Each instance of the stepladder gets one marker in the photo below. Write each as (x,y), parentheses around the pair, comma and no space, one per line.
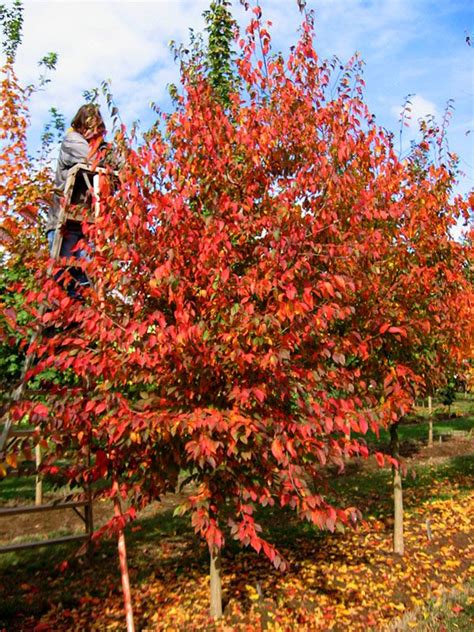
(80,203)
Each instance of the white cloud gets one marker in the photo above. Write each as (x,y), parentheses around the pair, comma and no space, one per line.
(418,108)
(126,42)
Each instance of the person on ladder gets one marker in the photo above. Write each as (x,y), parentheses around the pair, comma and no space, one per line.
(82,141)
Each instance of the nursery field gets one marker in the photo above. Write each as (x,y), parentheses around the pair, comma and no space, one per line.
(344,581)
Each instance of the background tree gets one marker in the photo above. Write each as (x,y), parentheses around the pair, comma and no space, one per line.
(219,53)
(11,20)
(25,190)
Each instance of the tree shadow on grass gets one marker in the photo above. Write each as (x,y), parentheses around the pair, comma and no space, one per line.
(163,550)
(40,582)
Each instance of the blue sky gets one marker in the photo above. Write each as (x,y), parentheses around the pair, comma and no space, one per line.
(409,47)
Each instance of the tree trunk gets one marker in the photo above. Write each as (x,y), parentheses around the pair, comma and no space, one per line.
(398,544)
(216,583)
(430,422)
(122,551)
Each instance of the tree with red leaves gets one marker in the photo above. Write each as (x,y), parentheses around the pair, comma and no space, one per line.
(25,187)
(269,279)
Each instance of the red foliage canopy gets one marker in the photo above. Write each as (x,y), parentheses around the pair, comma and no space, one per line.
(269,278)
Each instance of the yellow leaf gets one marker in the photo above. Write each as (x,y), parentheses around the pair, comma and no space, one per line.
(452,563)
(11,459)
(252,592)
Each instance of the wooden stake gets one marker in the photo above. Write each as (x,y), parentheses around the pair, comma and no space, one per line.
(122,551)
(398,543)
(216,582)
(430,422)
(38,479)
(88,509)
(428,529)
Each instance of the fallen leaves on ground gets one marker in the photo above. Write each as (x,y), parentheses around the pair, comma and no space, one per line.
(348,581)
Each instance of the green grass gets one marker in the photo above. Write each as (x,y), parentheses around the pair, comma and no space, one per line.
(418,430)
(22,488)
(453,612)
(415,428)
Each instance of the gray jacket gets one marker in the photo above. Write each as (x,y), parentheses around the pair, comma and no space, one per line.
(74,149)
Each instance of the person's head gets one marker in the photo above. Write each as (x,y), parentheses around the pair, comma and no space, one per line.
(88,121)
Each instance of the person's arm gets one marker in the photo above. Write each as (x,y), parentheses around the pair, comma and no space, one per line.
(74,149)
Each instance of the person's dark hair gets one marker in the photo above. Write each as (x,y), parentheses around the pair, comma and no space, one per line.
(88,119)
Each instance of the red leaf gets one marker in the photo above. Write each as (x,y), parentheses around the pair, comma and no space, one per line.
(225,274)
(380,459)
(397,330)
(100,408)
(100,458)
(41,410)
(328,288)
(277,450)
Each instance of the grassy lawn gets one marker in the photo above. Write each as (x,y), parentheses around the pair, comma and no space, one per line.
(22,488)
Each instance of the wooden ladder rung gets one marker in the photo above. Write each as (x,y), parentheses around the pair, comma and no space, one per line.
(26,509)
(8,548)
(27,432)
